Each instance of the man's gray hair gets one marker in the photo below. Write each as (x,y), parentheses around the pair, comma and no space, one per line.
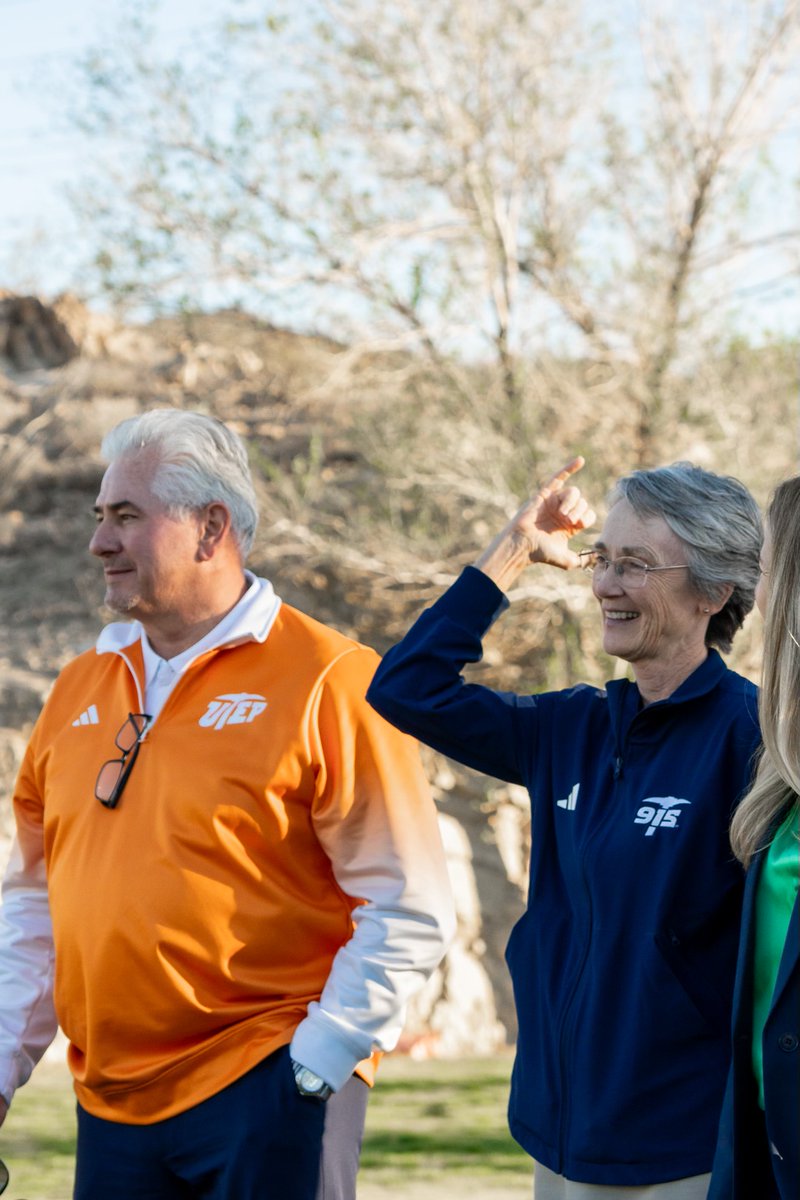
(200,461)
(719,525)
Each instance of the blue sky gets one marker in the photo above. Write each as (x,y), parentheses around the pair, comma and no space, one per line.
(40,154)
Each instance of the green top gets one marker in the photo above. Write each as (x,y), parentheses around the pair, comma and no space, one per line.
(775,897)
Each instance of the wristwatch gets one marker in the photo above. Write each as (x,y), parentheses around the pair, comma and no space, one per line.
(309,1084)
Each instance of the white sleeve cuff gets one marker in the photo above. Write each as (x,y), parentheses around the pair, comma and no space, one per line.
(27,1016)
(319,1045)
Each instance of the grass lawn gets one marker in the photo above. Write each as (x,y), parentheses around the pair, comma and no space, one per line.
(435,1131)
(438,1129)
(37,1140)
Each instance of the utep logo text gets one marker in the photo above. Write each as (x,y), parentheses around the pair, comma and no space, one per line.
(659,812)
(236,708)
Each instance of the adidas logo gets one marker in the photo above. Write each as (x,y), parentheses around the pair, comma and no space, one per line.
(89,717)
(235,708)
(571,801)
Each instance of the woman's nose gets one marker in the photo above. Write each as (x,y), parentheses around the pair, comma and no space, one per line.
(606,582)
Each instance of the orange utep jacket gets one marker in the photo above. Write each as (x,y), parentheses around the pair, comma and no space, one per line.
(273,870)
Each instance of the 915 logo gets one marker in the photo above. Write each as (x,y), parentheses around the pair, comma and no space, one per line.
(659,812)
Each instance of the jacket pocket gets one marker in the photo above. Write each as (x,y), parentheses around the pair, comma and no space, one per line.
(705,969)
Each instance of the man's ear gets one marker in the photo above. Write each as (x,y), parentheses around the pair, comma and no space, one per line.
(215,526)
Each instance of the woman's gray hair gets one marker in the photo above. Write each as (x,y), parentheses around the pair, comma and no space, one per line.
(719,525)
(200,461)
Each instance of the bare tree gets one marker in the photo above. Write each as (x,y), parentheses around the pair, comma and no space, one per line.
(517,224)
(476,181)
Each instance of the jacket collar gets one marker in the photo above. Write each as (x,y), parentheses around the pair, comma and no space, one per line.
(701,681)
(625,701)
(790,958)
(249,620)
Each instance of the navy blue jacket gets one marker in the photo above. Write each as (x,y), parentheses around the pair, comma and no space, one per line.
(623,963)
(758,1154)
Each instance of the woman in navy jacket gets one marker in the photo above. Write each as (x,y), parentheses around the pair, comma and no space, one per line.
(758,1155)
(623,963)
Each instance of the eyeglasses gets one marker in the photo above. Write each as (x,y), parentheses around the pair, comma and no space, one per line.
(115,773)
(631,572)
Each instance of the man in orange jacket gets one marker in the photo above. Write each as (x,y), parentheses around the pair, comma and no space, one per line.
(227,878)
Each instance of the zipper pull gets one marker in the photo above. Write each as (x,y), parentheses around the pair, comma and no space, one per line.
(618,767)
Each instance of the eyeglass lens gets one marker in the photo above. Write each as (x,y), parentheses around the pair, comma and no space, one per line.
(113,774)
(131,731)
(627,569)
(630,570)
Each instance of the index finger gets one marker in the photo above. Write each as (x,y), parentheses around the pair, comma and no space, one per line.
(560,478)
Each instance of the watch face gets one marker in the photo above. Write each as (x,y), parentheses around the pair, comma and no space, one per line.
(310,1082)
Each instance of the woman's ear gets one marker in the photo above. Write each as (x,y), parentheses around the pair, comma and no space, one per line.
(715,606)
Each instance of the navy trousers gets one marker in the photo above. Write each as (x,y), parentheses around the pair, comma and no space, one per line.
(257,1139)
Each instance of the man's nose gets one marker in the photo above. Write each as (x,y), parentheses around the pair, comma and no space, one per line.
(103,540)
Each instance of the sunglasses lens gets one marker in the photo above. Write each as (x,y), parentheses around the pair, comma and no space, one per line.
(108,779)
(113,774)
(130,733)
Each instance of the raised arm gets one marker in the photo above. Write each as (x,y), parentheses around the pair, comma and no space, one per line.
(540,530)
(419,686)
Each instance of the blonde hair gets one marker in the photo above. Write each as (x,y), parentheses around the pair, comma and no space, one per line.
(776,787)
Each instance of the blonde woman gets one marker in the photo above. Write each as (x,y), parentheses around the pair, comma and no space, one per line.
(758,1154)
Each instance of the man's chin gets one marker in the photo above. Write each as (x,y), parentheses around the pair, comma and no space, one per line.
(123,605)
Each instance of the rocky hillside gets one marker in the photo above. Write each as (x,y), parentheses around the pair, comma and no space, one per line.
(65,378)
(376,485)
